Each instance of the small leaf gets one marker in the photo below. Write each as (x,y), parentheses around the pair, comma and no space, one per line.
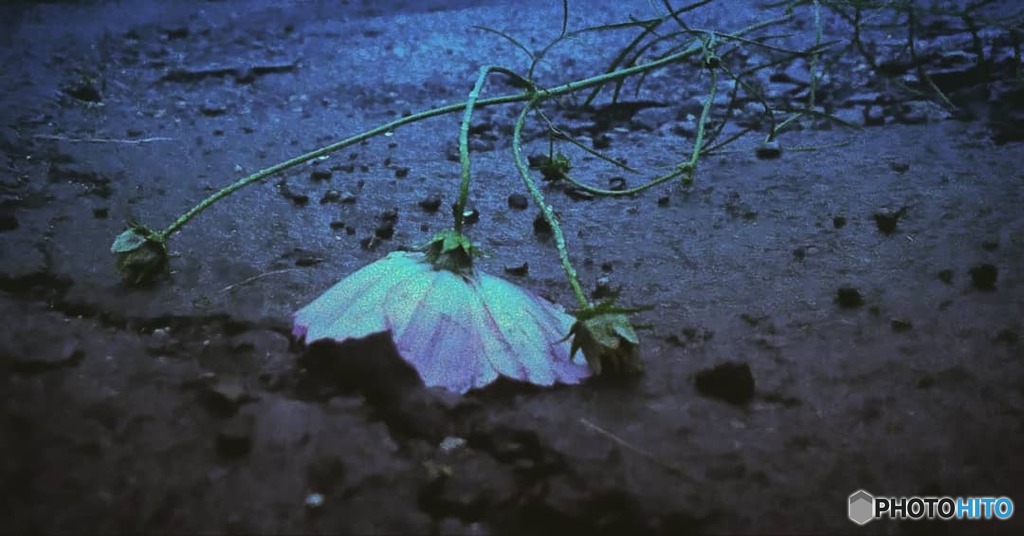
(128,241)
(626,332)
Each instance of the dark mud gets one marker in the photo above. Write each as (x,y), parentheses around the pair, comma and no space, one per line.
(840,318)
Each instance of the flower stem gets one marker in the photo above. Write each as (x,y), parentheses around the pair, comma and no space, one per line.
(533,94)
(467,117)
(816,56)
(698,143)
(546,210)
(323,151)
(685,169)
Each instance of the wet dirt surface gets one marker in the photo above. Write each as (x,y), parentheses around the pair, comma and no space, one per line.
(840,318)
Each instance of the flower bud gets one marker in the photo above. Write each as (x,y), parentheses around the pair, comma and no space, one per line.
(141,255)
(607,339)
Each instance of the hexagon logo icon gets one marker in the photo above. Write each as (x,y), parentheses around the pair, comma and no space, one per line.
(862,507)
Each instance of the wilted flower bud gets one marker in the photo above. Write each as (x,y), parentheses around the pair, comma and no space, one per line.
(607,339)
(141,254)
(554,168)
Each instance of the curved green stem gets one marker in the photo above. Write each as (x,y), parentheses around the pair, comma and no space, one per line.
(685,168)
(323,151)
(816,56)
(698,144)
(467,117)
(531,95)
(546,210)
(680,169)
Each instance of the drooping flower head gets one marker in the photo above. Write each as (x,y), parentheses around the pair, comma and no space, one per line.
(141,254)
(607,339)
(458,327)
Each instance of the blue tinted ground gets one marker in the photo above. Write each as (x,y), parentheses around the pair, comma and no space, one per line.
(186,407)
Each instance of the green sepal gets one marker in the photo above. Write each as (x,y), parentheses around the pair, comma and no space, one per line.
(555,167)
(452,251)
(607,338)
(140,253)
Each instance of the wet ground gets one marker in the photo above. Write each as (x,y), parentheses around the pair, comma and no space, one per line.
(844,317)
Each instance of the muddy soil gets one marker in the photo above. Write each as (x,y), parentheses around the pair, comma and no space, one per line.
(845,316)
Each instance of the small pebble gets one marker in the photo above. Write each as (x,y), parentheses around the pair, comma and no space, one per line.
(451,443)
(1008,336)
(330,196)
(314,501)
(886,221)
(900,325)
(431,203)
(469,215)
(603,289)
(518,202)
(984,276)
(899,167)
(768,150)
(849,298)
(8,222)
(234,440)
(540,226)
(731,381)
(519,270)
(385,231)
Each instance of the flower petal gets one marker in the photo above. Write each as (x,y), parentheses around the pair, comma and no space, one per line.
(535,331)
(458,333)
(351,308)
(434,321)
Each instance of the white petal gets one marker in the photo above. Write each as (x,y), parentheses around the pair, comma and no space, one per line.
(434,321)
(535,330)
(351,308)
(458,334)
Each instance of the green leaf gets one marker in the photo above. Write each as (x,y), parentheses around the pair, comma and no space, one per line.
(128,241)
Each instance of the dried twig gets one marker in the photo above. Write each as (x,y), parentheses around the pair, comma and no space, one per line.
(670,467)
(255,277)
(101,140)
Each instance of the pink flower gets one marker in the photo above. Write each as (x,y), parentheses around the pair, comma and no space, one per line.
(459,330)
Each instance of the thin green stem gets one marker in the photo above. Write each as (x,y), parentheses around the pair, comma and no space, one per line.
(467,118)
(781,126)
(680,169)
(537,94)
(323,151)
(698,144)
(685,168)
(546,210)
(816,56)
